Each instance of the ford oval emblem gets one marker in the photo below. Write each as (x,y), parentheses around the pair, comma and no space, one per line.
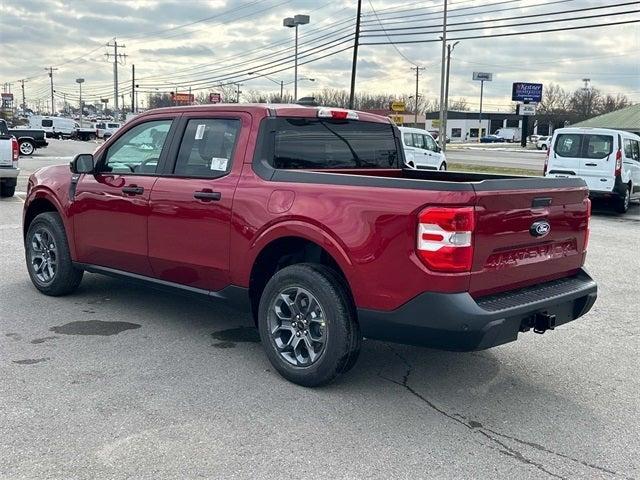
(540,229)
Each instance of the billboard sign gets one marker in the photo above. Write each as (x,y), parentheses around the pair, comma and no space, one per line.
(526,92)
(483,76)
(215,98)
(182,98)
(398,106)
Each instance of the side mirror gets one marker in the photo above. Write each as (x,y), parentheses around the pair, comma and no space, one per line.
(82,163)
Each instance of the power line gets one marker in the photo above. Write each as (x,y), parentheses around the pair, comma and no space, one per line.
(510,34)
(394,46)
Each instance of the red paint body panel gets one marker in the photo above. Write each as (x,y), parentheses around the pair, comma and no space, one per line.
(369,231)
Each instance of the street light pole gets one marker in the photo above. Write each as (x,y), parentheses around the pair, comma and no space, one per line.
(80,81)
(295,22)
(450,49)
(441,133)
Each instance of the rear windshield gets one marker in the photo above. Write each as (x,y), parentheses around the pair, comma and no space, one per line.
(580,145)
(47,123)
(323,143)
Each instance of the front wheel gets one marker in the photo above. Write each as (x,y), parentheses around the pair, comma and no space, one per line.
(48,257)
(308,325)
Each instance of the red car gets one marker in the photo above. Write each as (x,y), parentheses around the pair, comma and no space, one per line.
(306,216)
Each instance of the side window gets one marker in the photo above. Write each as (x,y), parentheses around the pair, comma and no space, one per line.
(408,139)
(636,150)
(47,123)
(138,150)
(568,145)
(431,144)
(207,147)
(456,132)
(418,140)
(628,148)
(597,146)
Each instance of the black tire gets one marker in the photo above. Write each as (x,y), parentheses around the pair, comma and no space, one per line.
(66,277)
(342,338)
(443,167)
(7,191)
(27,148)
(622,202)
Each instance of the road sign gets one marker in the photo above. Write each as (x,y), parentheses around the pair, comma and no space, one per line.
(398,106)
(526,92)
(215,98)
(528,109)
(483,76)
(397,119)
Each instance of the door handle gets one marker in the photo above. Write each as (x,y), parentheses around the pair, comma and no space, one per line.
(133,190)
(591,164)
(207,196)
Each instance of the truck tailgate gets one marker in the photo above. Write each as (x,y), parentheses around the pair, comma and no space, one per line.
(510,253)
(6,153)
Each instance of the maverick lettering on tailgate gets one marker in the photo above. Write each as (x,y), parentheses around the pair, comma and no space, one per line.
(532,254)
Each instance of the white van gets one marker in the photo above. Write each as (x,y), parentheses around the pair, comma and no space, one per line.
(421,151)
(509,134)
(608,160)
(106,129)
(54,126)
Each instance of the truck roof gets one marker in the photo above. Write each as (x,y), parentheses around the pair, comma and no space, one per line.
(267,110)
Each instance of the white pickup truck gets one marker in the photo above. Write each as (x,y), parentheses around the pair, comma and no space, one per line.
(9,152)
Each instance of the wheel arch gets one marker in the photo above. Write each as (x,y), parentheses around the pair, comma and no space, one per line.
(287,250)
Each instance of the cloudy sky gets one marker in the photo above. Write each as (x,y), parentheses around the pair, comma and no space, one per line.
(200,43)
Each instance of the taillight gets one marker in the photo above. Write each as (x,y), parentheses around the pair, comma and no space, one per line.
(618,163)
(588,232)
(15,150)
(445,238)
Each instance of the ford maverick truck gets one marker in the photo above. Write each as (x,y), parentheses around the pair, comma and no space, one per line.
(305,216)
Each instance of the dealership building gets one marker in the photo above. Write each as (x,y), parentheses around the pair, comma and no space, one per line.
(467,126)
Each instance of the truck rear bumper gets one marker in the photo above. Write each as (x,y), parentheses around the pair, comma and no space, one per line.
(456,321)
(9,172)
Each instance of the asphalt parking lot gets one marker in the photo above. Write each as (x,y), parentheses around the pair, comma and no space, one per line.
(119,381)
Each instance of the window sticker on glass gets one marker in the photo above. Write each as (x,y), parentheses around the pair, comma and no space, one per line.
(219,164)
(200,131)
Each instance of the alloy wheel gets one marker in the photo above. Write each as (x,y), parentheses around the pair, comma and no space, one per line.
(44,256)
(26,148)
(297,326)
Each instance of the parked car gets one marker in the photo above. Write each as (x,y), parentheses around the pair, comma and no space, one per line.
(542,143)
(9,153)
(607,160)
(106,129)
(510,134)
(492,139)
(307,216)
(421,151)
(56,127)
(28,139)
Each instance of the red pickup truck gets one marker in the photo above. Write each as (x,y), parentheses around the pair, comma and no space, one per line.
(306,216)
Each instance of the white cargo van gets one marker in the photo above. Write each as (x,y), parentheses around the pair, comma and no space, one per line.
(421,151)
(607,160)
(509,134)
(54,126)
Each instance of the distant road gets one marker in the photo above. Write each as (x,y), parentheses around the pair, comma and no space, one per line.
(497,157)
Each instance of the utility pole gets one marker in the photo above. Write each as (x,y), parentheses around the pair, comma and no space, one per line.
(24,101)
(443,66)
(281,90)
(133,87)
(117,57)
(450,49)
(415,115)
(356,41)
(53,106)
(238,92)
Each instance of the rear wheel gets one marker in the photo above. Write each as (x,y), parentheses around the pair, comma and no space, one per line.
(48,257)
(27,148)
(7,191)
(622,202)
(308,325)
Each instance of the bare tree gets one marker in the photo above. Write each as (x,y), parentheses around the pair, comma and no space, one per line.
(611,103)
(586,102)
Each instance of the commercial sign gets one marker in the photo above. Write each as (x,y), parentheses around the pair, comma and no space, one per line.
(398,106)
(526,109)
(215,98)
(397,119)
(182,98)
(483,76)
(526,92)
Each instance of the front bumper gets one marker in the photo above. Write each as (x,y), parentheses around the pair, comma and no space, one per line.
(456,321)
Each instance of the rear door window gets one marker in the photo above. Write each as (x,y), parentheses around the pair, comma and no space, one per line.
(597,146)
(408,139)
(321,144)
(418,141)
(568,145)
(47,123)
(207,147)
